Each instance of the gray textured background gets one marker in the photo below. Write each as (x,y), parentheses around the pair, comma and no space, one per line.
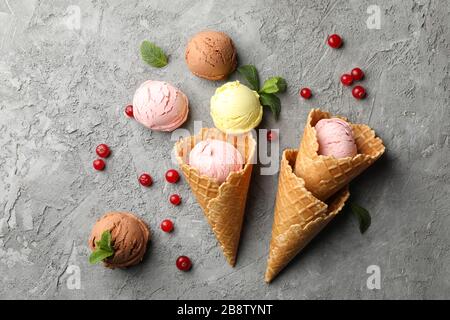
(63,91)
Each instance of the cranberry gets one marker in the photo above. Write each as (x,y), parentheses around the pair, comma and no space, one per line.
(172,176)
(103,151)
(184,263)
(145,179)
(167,225)
(129,111)
(357,74)
(99,164)
(347,79)
(306,93)
(271,135)
(335,41)
(175,199)
(359,92)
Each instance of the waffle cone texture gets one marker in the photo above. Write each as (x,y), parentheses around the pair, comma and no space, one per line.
(299,216)
(224,204)
(325,175)
(313,189)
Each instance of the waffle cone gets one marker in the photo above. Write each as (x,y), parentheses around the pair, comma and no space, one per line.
(325,175)
(299,216)
(224,204)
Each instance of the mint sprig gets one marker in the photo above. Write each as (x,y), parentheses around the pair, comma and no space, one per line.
(272,101)
(103,248)
(270,87)
(153,55)
(250,73)
(274,85)
(362,215)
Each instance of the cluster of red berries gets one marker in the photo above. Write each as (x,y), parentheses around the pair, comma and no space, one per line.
(335,41)
(102,151)
(172,175)
(347,79)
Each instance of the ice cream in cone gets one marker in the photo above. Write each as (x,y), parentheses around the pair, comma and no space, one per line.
(313,188)
(325,175)
(299,216)
(223,202)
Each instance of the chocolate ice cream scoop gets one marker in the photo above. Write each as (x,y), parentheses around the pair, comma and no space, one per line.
(211,55)
(129,237)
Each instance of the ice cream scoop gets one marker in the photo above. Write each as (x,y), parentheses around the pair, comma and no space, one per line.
(335,138)
(235,108)
(211,55)
(129,237)
(215,159)
(160,106)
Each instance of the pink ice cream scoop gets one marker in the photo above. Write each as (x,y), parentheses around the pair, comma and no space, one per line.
(160,106)
(335,138)
(216,159)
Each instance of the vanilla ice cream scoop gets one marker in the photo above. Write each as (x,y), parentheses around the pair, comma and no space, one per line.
(335,138)
(215,159)
(160,106)
(235,108)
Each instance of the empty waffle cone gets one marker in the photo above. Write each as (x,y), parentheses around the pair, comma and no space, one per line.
(299,216)
(224,204)
(325,175)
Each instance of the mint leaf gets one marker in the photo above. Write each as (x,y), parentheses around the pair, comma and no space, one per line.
(274,85)
(153,55)
(103,248)
(272,101)
(251,75)
(363,216)
(105,241)
(99,255)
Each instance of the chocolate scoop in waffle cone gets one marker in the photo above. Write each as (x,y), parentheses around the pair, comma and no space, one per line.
(325,175)
(299,216)
(224,204)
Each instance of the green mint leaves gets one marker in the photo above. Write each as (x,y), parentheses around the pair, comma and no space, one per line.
(274,85)
(272,101)
(250,74)
(270,87)
(363,216)
(153,55)
(103,248)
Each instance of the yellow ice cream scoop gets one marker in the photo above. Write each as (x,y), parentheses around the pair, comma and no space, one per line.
(235,108)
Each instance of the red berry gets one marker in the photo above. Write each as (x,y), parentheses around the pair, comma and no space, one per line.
(347,79)
(306,93)
(129,111)
(334,41)
(359,92)
(145,179)
(167,225)
(172,176)
(184,263)
(175,199)
(271,135)
(99,164)
(103,151)
(357,74)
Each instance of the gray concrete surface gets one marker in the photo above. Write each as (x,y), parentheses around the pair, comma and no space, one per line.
(63,88)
